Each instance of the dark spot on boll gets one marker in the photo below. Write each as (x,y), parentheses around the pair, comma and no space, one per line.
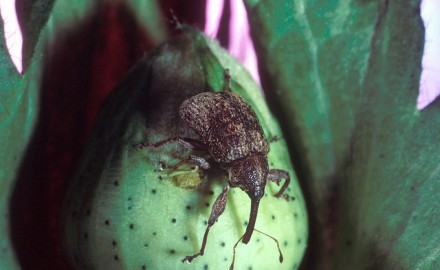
(116,257)
(285,243)
(205,267)
(153,191)
(129,198)
(299,241)
(154,233)
(131,226)
(129,208)
(185,238)
(250,268)
(273,217)
(107,222)
(114,243)
(116,183)
(188,207)
(207,204)
(245,223)
(145,245)
(292,198)
(205,222)
(173,220)
(172,251)
(222,244)
(143,267)
(211,192)
(295,215)
(160,177)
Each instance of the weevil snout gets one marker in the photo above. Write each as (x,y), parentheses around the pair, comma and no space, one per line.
(255,203)
(250,174)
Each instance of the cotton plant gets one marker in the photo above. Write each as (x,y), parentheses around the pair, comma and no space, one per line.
(341,80)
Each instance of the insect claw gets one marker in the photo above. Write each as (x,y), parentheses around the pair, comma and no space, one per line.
(190,258)
(275,138)
(283,196)
(137,145)
(141,145)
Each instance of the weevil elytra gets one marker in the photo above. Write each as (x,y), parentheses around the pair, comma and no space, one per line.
(230,131)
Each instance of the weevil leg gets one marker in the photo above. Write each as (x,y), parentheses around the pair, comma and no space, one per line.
(227,87)
(276,175)
(275,138)
(199,161)
(189,143)
(217,210)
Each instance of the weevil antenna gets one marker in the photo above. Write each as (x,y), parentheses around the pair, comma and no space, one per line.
(231,267)
(276,242)
(281,258)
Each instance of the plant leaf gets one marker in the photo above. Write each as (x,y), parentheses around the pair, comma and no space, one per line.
(17,105)
(150,14)
(392,210)
(314,58)
(346,74)
(86,47)
(32,17)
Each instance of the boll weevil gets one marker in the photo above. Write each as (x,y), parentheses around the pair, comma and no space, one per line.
(231,133)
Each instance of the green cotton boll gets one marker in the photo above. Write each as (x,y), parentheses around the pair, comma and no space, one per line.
(126,209)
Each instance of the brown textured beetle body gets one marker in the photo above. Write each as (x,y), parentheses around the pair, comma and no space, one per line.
(226,124)
(235,139)
(229,129)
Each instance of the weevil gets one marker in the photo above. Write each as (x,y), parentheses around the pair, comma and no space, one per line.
(230,131)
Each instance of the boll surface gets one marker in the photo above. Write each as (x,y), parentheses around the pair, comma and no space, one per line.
(125,209)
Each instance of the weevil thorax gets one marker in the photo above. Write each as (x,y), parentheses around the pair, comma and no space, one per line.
(249,174)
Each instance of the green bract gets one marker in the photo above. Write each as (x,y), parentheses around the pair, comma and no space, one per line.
(126,210)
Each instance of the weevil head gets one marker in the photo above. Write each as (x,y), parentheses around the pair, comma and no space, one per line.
(250,175)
